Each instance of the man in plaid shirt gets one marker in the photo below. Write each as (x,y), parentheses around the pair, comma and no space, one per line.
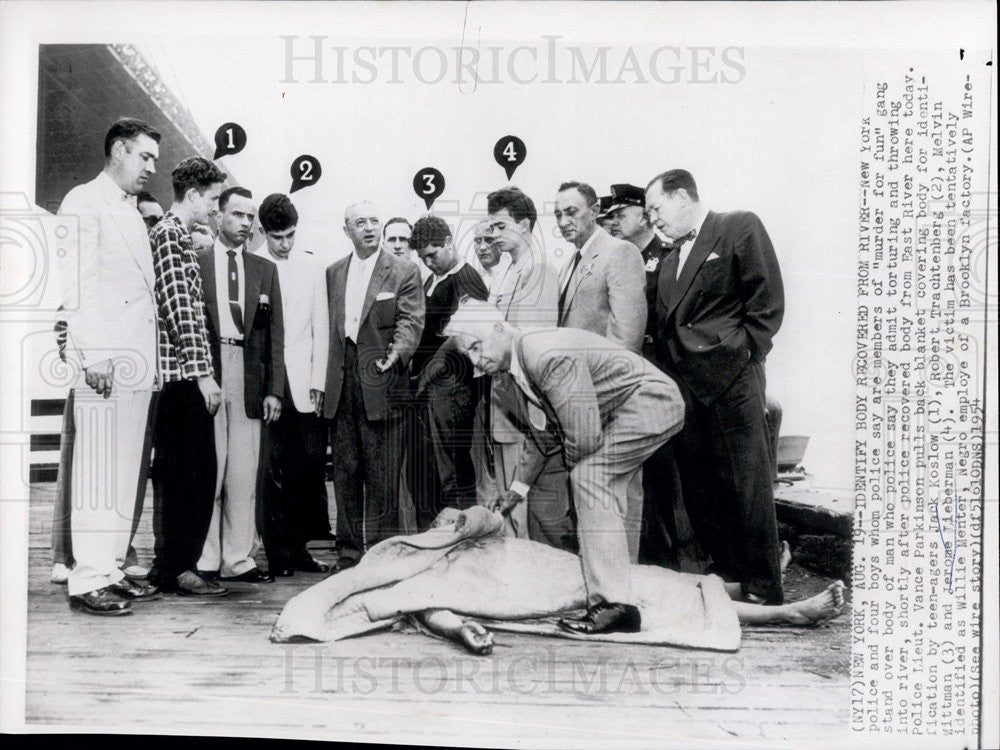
(184,478)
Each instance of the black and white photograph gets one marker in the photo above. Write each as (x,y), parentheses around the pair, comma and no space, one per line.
(495,374)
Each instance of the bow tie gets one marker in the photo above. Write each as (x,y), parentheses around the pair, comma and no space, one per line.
(686,238)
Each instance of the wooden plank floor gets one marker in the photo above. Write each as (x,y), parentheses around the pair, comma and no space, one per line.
(207,667)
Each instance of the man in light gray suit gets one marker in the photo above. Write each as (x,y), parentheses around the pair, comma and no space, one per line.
(608,410)
(602,288)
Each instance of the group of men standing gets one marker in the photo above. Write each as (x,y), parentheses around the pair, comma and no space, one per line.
(497,380)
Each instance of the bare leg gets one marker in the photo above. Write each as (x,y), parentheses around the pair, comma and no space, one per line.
(469,633)
(812,611)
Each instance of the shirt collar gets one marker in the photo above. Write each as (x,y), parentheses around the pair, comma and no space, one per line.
(515,364)
(701,221)
(221,250)
(365,262)
(590,240)
(454,269)
(110,188)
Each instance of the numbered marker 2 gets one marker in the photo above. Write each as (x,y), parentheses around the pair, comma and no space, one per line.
(428,184)
(305,172)
(509,153)
(229,139)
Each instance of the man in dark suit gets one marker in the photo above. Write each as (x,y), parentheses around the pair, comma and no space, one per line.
(246,336)
(719,303)
(608,410)
(440,472)
(376,308)
(666,537)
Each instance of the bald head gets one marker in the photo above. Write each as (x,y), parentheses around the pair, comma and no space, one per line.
(363,227)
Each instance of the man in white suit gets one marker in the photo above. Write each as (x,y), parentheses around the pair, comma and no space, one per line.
(293,489)
(110,313)
(602,290)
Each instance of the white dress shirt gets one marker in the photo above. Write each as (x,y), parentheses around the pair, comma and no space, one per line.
(359,276)
(686,247)
(227,328)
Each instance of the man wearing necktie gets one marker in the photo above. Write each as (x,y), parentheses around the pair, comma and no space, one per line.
(246,333)
(719,303)
(603,410)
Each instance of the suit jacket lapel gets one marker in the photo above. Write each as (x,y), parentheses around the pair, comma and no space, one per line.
(338,289)
(586,263)
(142,255)
(703,245)
(379,275)
(253,278)
(206,260)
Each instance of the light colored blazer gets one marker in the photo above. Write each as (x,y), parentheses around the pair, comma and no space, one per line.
(607,294)
(307,323)
(528,297)
(581,382)
(107,285)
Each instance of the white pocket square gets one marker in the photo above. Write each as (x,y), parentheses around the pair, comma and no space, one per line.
(712,256)
(384,295)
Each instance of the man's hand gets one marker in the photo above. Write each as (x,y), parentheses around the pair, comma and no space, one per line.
(101,377)
(385,364)
(211,392)
(506,502)
(272,409)
(316,399)
(201,237)
(476,638)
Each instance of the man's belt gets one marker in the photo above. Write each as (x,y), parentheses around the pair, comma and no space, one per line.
(230,342)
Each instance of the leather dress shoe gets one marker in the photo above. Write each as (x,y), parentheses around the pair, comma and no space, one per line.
(136,592)
(190,583)
(309,564)
(103,601)
(254,575)
(209,575)
(605,617)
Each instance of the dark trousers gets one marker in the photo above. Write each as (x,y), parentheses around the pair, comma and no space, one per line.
(440,471)
(292,492)
(667,538)
(366,459)
(62,537)
(724,457)
(183,478)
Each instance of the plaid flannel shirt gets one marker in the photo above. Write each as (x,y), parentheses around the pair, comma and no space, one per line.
(183,346)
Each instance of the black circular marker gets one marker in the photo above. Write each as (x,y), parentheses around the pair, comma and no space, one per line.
(509,153)
(305,171)
(428,184)
(230,138)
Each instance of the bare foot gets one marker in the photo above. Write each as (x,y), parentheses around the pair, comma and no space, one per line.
(476,638)
(786,556)
(818,609)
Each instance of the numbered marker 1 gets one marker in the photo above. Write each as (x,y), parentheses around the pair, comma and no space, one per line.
(428,184)
(305,172)
(229,139)
(509,153)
